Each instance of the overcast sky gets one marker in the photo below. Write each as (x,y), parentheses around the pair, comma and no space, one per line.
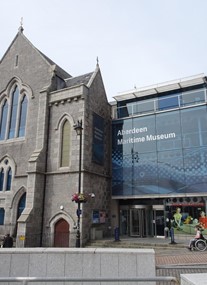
(137,42)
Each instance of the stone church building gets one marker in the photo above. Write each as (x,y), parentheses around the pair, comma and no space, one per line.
(39,150)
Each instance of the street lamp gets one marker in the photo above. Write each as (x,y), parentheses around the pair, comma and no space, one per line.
(135,158)
(78,128)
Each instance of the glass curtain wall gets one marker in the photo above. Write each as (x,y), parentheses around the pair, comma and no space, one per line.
(160,154)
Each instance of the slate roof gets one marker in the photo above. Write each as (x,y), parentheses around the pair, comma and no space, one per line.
(82,79)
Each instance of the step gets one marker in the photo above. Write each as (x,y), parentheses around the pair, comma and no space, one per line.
(129,244)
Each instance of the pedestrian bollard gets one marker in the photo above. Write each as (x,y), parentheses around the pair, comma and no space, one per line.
(116,234)
(172,236)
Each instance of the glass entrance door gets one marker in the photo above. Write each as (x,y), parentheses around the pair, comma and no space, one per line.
(140,224)
(159,224)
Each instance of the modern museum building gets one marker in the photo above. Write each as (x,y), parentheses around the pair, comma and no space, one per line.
(159,152)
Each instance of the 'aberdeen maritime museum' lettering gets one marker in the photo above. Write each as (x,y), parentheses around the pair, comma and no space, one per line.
(144,139)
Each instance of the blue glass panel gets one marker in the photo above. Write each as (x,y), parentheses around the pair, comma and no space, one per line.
(132,142)
(145,172)
(9,179)
(15,96)
(1,180)
(195,161)
(2,216)
(3,120)
(168,102)
(117,158)
(23,117)
(122,112)
(143,107)
(194,122)
(171,175)
(168,131)
(193,97)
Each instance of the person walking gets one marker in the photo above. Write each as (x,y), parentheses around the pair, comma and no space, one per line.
(8,241)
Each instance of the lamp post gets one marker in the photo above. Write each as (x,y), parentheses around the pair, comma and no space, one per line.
(135,158)
(78,128)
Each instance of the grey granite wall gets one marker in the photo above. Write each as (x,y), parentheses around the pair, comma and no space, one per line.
(193,279)
(84,262)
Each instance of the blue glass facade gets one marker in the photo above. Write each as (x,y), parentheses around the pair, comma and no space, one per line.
(159,160)
(162,152)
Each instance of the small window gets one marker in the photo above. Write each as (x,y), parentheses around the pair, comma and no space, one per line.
(9,179)
(15,97)
(23,116)
(1,179)
(16,60)
(3,120)
(21,205)
(6,174)
(2,216)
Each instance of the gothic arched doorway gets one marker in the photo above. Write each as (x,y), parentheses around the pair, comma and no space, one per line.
(61,234)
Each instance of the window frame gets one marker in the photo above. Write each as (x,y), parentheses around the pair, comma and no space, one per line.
(16,116)
(7,169)
(2,216)
(65,145)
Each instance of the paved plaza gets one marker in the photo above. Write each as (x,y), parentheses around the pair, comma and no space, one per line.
(175,261)
(172,259)
(180,257)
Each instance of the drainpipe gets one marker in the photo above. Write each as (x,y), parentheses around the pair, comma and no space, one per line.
(45,180)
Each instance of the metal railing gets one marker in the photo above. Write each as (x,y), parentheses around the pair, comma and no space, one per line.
(26,280)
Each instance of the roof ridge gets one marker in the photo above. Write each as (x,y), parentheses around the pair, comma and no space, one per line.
(20,33)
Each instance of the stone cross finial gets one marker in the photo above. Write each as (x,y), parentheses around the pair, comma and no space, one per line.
(21,29)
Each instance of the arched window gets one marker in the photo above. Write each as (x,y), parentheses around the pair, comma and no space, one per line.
(2,216)
(65,149)
(1,179)
(3,120)
(7,169)
(9,179)
(13,112)
(21,205)
(14,107)
(23,116)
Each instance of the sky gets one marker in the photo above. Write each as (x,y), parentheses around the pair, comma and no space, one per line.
(137,42)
